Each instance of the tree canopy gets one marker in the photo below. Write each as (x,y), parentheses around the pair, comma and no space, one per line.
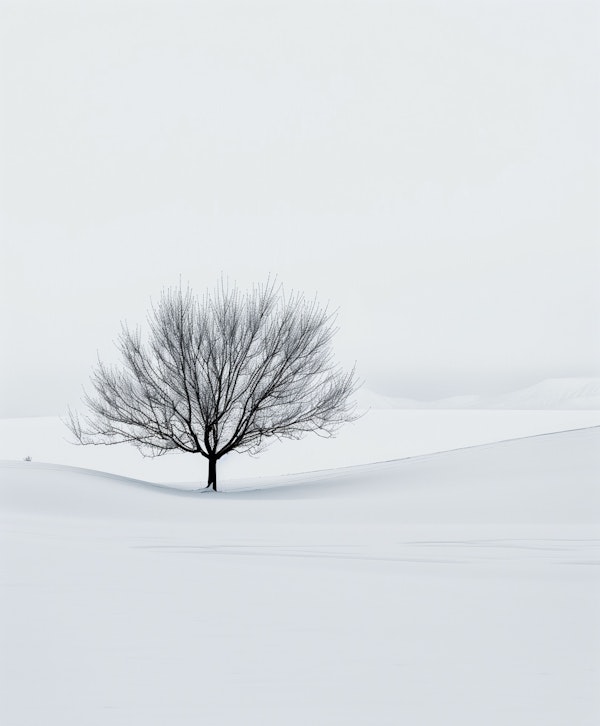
(228,371)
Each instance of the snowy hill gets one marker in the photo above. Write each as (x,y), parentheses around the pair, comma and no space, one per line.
(458,587)
(381,434)
(522,480)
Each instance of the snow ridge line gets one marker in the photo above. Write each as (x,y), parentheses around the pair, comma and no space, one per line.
(14,464)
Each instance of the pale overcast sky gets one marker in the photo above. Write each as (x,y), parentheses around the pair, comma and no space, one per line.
(430,168)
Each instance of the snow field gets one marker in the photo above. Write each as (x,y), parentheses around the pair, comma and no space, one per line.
(457,588)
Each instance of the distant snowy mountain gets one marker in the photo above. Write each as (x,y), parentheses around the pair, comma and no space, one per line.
(554,393)
(559,393)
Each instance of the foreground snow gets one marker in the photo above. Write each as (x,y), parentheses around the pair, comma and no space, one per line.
(458,588)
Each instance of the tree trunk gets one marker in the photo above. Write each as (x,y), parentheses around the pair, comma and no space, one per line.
(212,473)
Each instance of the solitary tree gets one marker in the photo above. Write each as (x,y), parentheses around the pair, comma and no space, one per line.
(227,372)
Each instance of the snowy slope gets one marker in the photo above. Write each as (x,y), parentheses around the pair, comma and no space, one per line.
(377,436)
(522,480)
(457,588)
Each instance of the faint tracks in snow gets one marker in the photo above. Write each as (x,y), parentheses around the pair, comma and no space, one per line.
(455,552)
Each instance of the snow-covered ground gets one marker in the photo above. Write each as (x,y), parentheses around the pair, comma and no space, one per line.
(454,588)
(380,435)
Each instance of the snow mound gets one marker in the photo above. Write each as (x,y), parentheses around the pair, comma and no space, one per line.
(53,489)
(379,435)
(542,479)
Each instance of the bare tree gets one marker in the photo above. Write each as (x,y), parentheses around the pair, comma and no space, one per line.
(227,372)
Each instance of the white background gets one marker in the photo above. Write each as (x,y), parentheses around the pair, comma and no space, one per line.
(430,168)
